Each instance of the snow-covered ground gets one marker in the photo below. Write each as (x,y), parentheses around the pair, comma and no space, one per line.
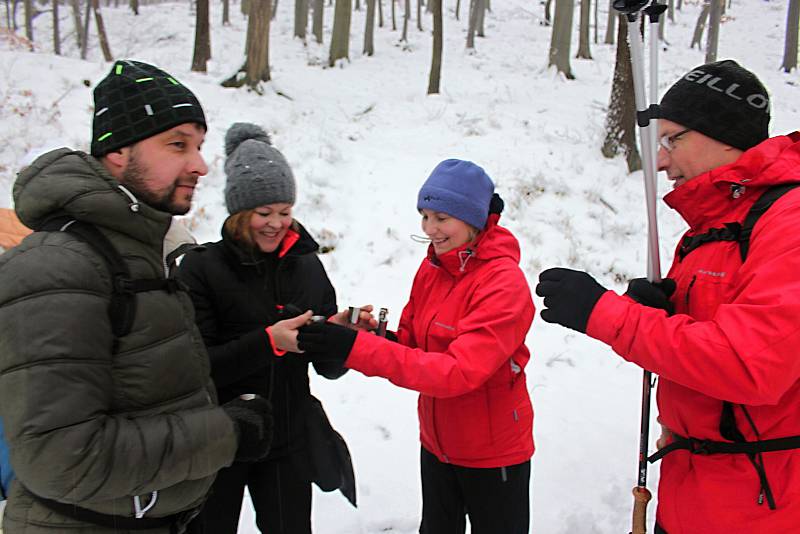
(362,138)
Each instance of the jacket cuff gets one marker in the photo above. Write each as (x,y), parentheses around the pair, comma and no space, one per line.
(276,350)
(604,321)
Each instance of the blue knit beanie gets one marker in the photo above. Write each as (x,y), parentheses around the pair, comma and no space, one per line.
(460,189)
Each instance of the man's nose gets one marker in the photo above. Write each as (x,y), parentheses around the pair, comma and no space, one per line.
(662,159)
(197,165)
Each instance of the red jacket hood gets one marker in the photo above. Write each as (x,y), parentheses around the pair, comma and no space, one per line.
(709,196)
(492,242)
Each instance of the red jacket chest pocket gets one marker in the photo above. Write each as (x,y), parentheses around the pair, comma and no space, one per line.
(704,279)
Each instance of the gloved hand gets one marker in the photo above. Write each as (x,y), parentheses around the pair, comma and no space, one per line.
(654,295)
(253,421)
(569,297)
(496,204)
(326,342)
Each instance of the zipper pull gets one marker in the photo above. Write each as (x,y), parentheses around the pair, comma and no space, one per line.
(761,497)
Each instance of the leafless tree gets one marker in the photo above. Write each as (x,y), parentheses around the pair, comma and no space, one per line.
(226,12)
(621,118)
(475,8)
(481,6)
(561,37)
(583,31)
(714,16)
(29,15)
(380,13)
(256,66)
(340,36)
(300,18)
(316,25)
(610,23)
(56,33)
(406,16)
(134,5)
(369,30)
(202,37)
(102,37)
(419,15)
(76,19)
(458,8)
(394,15)
(790,45)
(436,60)
(671,10)
(697,36)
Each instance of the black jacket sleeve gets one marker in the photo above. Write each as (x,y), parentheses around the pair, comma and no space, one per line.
(330,370)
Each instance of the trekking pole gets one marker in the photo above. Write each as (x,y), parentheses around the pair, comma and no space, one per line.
(648,133)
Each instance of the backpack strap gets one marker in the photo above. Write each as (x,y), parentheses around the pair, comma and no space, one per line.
(122,307)
(759,208)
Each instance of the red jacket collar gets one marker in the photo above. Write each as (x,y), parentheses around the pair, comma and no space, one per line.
(706,199)
(494,241)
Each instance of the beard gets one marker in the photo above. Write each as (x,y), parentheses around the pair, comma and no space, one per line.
(134,177)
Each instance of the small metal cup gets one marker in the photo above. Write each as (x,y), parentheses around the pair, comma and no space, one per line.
(353,314)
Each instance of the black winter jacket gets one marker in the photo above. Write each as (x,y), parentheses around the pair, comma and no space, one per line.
(237,293)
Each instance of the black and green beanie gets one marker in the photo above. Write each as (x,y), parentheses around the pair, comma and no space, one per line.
(136,101)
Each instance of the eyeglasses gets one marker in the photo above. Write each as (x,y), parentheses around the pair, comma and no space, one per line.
(668,141)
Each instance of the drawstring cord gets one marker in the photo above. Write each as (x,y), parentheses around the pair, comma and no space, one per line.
(134,204)
(463,258)
(137,505)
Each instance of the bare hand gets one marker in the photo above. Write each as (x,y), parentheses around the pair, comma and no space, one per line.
(284,333)
(665,438)
(365,319)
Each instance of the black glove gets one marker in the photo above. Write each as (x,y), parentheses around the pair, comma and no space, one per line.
(569,297)
(326,342)
(253,421)
(654,295)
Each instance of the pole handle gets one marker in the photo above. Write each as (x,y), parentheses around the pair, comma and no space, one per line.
(641,497)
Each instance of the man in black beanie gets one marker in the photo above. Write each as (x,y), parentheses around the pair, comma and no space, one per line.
(105,394)
(721,330)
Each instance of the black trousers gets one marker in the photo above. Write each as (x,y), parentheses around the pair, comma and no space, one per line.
(281,497)
(496,500)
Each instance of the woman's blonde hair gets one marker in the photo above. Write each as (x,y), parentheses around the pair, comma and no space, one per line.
(238,227)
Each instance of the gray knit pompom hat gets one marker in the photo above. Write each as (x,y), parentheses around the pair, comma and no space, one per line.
(257,173)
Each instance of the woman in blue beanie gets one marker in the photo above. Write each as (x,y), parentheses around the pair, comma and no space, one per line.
(461,345)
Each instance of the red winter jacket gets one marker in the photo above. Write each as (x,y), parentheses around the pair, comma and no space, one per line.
(735,336)
(462,346)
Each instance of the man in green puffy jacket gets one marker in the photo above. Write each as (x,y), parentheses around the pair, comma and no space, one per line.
(113,433)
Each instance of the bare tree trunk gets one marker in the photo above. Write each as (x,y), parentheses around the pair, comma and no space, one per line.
(419,15)
(85,43)
(610,23)
(316,25)
(256,65)
(715,14)
(202,37)
(340,36)
(596,22)
(56,33)
(583,31)
(226,12)
(790,45)
(436,61)
(101,31)
(300,18)
(697,37)
(8,17)
(394,15)
(474,9)
(76,19)
(621,118)
(369,30)
(680,5)
(548,19)
(358,5)
(481,17)
(380,13)
(29,7)
(561,37)
(406,16)
(134,5)
(671,10)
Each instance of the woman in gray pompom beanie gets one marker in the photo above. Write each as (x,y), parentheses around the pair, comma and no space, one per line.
(248,290)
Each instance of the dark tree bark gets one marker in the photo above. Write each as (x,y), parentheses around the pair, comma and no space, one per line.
(481,17)
(369,30)
(134,5)
(697,37)
(29,7)
(790,44)
(340,36)
(561,38)
(56,33)
(621,118)
(714,16)
(475,7)
(300,18)
(406,16)
(419,15)
(226,12)
(256,66)
(584,51)
(101,31)
(610,23)
(76,19)
(316,25)
(394,15)
(85,43)
(202,37)
(458,8)
(380,13)
(436,61)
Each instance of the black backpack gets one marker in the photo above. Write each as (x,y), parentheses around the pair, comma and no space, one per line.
(727,423)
